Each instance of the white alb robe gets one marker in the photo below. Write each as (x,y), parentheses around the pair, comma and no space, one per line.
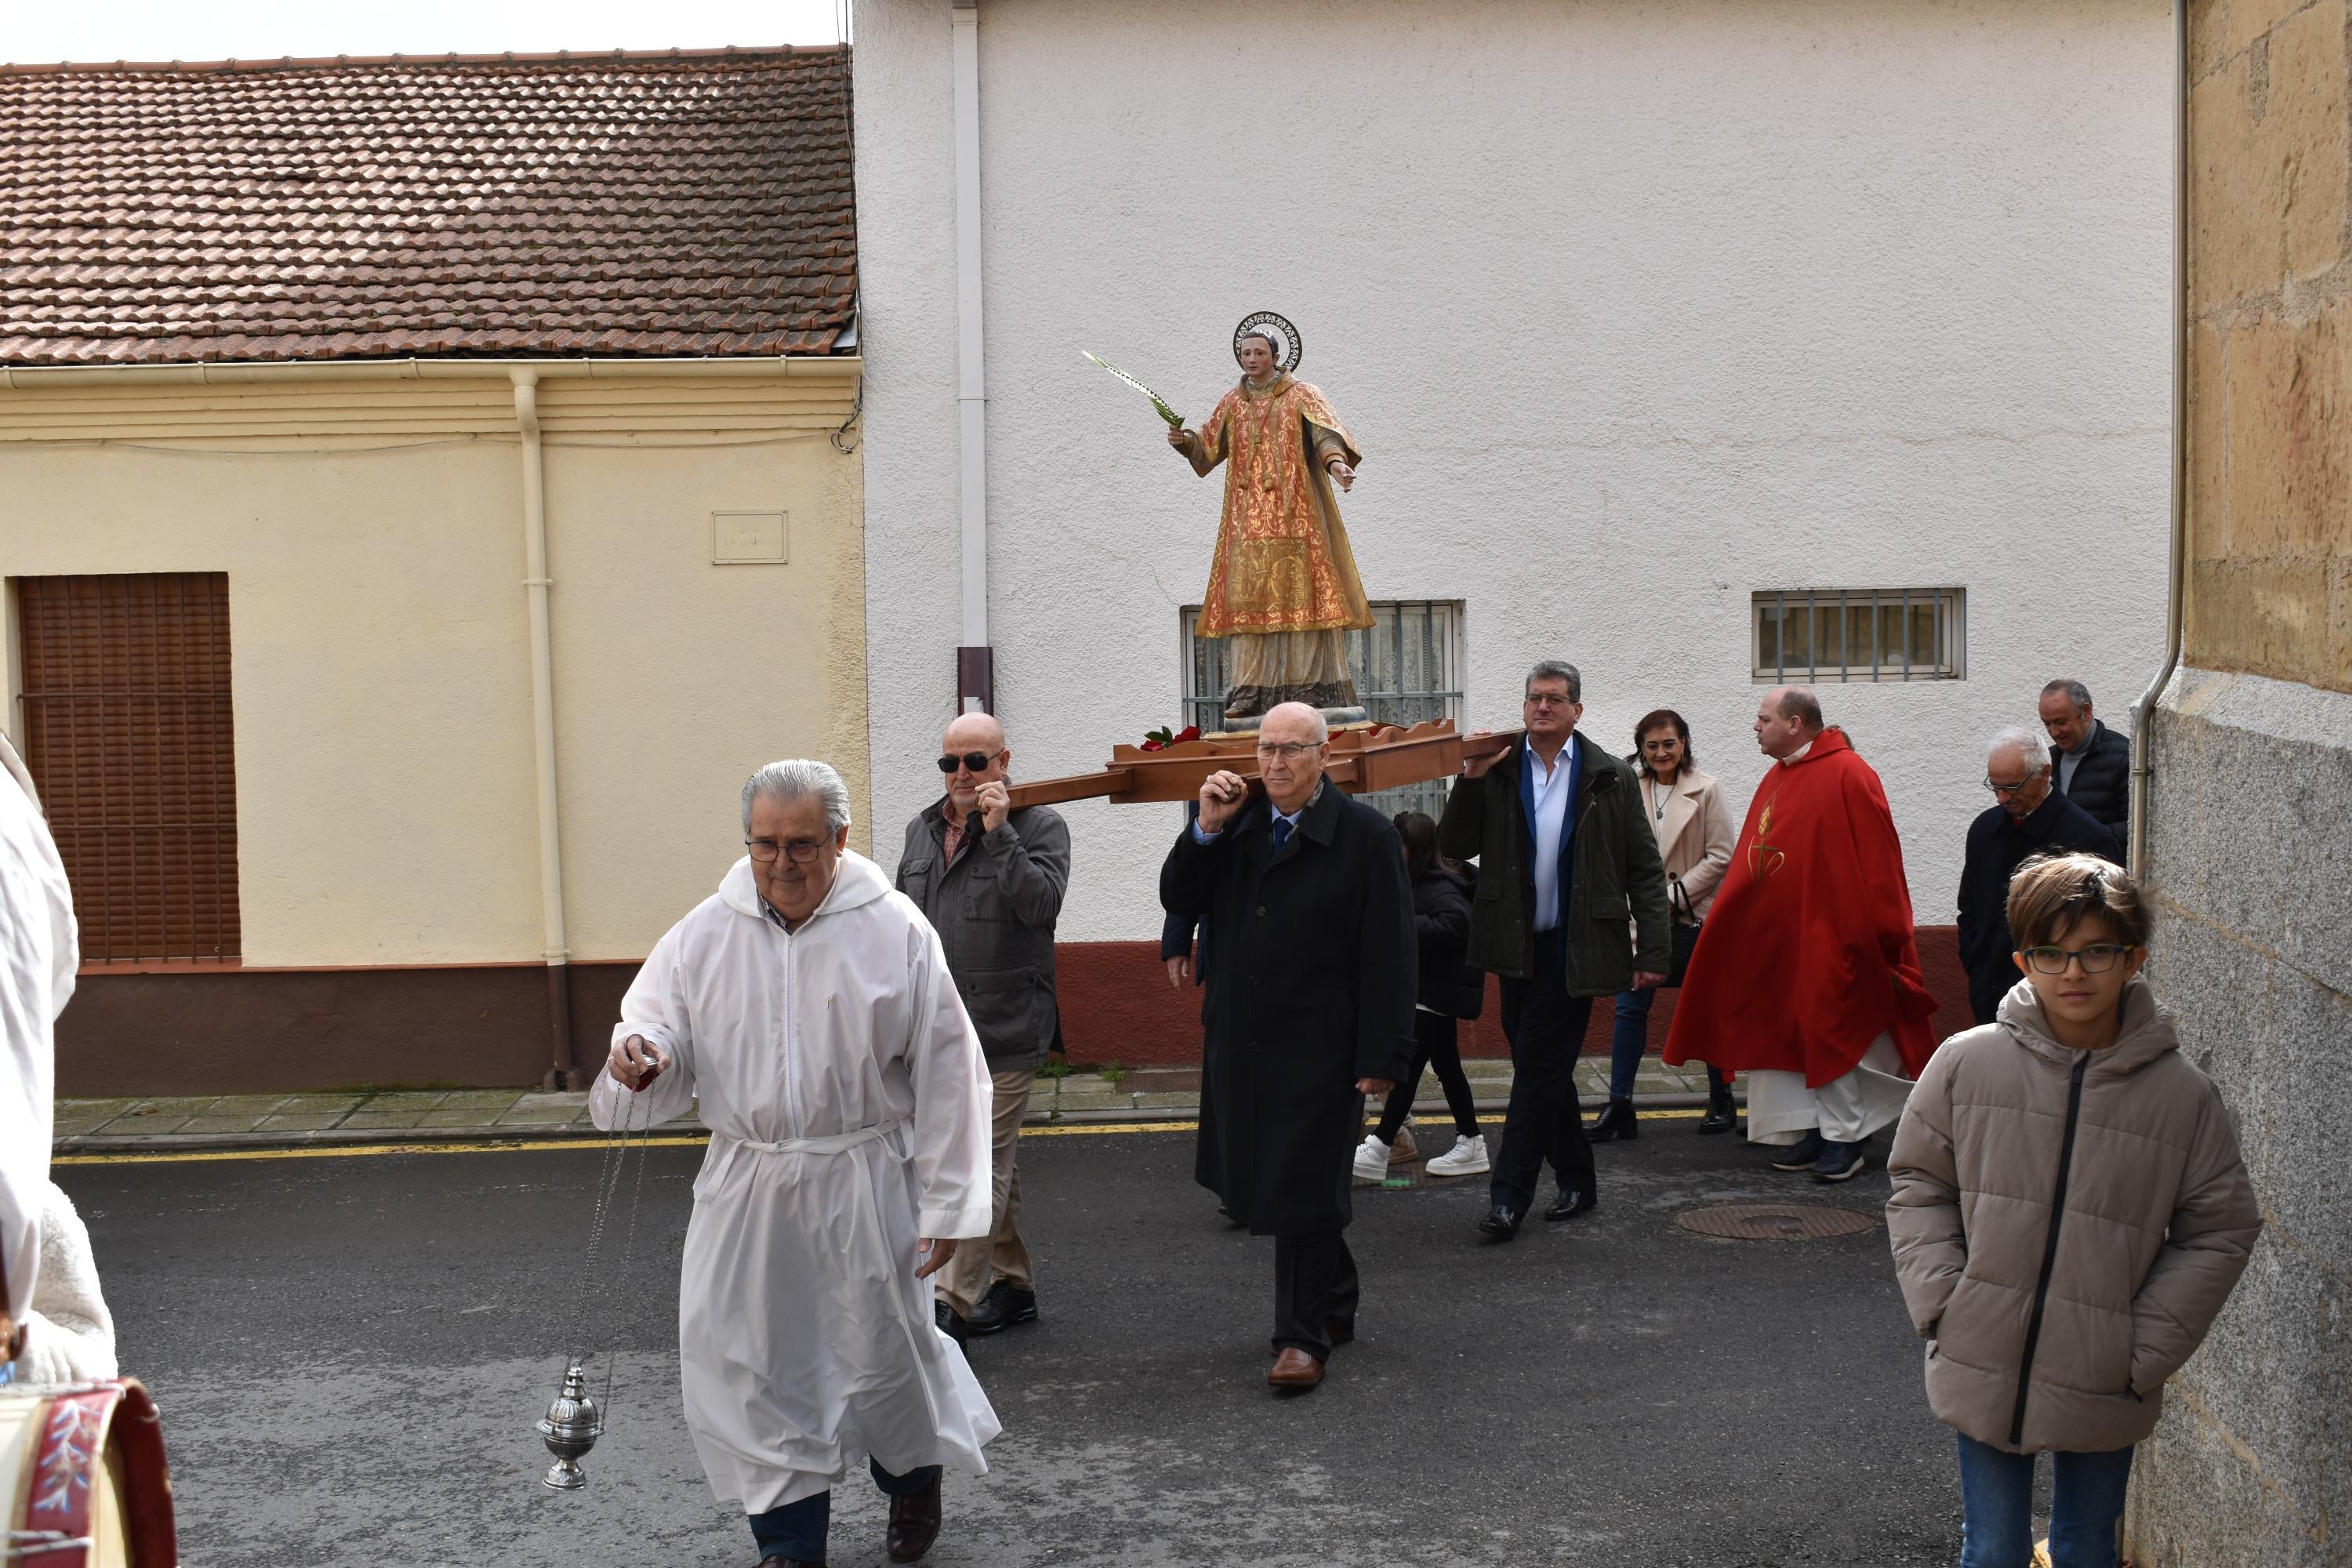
(848,1103)
(39,950)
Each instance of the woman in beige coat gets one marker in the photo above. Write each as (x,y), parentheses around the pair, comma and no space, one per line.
(1686,810)
(2070,1213)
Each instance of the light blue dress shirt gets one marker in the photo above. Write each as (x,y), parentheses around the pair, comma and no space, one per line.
(1550,823)
(1290,816)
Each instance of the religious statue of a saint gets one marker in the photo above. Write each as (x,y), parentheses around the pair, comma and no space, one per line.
(1284,586)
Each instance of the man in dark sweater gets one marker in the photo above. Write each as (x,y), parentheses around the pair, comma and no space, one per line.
(2030,817)
(2092,762)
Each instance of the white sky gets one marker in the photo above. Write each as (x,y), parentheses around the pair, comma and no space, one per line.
(39,31)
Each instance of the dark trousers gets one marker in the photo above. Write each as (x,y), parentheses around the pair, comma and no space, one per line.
(797,1530)
(1315,1285)
(1437,1044)
(1546,1028)
(1631,1037)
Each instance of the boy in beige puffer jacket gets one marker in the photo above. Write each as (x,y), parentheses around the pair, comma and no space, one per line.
(2070,1213)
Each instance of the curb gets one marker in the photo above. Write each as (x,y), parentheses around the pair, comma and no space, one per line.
(493,1137)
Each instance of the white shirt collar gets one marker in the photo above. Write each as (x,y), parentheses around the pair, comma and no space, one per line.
(1799,754)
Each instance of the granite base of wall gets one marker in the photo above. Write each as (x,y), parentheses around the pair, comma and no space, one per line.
(2250,861)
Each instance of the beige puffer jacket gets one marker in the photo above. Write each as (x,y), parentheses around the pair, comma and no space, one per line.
(2059,1334)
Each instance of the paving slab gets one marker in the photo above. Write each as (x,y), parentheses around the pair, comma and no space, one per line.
(319,1104)
(298,1122)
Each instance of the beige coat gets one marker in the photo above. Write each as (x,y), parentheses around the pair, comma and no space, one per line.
(2059,1334)
(1696,838)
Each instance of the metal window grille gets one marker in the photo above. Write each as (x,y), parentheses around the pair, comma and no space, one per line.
(1406,668)
(1813,634)
(129,739)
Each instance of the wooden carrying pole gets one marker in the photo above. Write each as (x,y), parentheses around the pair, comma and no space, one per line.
(1362,761)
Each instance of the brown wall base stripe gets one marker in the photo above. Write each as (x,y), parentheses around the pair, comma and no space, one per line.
(231,1031)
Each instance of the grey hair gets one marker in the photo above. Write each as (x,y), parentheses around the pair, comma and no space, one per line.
(1799,703)
(2030,746)
(1555,670)
(1320,727)
(2077,692)
(797,779)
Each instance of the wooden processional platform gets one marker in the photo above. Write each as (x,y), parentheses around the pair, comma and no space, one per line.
(1364,758)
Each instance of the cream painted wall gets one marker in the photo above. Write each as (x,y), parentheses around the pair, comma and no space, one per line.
(372,534)
(1634,308)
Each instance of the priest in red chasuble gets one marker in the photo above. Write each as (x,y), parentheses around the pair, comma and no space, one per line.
(1284,586)
(1807,975)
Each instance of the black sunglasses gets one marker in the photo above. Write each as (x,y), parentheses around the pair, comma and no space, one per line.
(975,761)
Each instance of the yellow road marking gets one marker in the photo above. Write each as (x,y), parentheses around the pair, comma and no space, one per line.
(523,1145)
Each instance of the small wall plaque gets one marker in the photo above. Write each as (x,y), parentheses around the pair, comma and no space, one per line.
(747,538)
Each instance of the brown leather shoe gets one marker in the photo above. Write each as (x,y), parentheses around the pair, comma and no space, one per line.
(1294,1369)
(914,1524)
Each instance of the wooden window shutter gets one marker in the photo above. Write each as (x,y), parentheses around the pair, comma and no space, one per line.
(130,741)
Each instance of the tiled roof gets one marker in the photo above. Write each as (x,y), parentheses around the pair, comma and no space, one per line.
(629,203)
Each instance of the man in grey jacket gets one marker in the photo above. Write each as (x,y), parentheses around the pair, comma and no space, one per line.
(990,880)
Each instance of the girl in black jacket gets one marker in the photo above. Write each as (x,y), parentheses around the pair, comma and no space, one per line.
(1450,990)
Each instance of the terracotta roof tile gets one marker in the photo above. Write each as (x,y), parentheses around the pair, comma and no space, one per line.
(669,204)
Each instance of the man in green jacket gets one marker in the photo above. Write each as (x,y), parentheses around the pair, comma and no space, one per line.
(1571,905)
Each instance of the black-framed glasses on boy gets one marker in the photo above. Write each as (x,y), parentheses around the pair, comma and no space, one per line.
(971,761)
(803,851)
(2097,958)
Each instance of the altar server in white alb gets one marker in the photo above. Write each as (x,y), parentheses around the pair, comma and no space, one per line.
(39,952)
(810,1008)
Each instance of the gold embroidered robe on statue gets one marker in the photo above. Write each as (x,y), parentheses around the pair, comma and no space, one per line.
(1284,584)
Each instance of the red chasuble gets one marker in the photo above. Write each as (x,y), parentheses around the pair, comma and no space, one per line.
(1807,955)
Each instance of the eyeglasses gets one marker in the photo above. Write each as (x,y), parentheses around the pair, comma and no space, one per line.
(2009,789)
(1288,751)
(971,761)
(2097,958)
(803,851)
(1550,699)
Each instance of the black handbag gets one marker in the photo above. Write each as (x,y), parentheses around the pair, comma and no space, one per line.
(1684,924)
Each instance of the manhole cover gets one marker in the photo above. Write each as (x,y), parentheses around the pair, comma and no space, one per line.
(1775,1222)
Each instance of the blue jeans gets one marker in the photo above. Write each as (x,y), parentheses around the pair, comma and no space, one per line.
(798,1530)
(1630,1036)
(2086,1504)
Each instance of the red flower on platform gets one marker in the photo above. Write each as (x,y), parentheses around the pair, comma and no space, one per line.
(1160,739)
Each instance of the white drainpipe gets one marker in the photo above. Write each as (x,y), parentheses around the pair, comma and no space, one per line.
(975,673)
(2177,577)
(557,953)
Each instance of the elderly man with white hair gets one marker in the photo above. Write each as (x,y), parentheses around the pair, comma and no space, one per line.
(810,1010)
(2029,816)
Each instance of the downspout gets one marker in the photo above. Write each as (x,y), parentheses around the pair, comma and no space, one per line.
(535,582)
(975,660)
(2176,580)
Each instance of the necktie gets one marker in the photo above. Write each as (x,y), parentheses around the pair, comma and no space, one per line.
(1281,833)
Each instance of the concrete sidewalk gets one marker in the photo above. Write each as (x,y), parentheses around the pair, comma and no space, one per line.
(487,1115)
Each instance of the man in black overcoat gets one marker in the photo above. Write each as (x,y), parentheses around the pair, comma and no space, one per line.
(1311,994)
(2030,816)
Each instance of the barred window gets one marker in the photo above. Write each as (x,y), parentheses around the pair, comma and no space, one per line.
(1812,635)
(1406,668)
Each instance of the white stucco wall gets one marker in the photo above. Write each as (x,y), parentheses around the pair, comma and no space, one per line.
(1634,308)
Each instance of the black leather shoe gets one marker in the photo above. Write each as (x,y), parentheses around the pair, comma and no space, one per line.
(1721,1116)
(1501,1224)
(1000,1308)
(1571,1204)
(914,1524)
(1617,1121)
(951,1323)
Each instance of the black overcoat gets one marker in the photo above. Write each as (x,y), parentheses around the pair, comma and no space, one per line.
(1310,979)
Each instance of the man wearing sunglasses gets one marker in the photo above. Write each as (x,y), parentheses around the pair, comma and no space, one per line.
(2029,816)
(990,880)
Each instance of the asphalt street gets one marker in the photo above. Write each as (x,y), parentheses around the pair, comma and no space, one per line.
(349,1353)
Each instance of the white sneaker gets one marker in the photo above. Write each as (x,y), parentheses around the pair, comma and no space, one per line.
(1372,1159)
(1466,1158)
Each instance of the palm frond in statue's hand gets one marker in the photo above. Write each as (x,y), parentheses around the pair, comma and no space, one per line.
(1175,420)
